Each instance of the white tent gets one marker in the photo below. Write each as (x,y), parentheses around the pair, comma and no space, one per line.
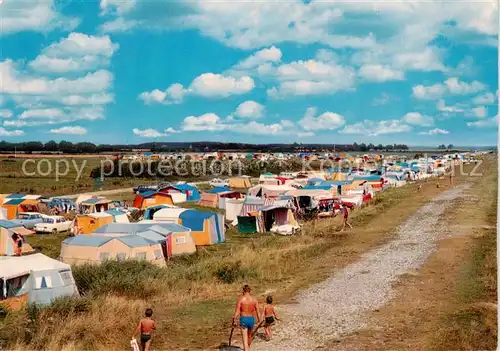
(42,278)
(178,197)
(82,198)
(233,208)
(169,215)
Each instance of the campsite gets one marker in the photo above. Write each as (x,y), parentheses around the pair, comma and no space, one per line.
(186,249)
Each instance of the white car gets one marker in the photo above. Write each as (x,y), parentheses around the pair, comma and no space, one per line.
(218,182)
(53,224)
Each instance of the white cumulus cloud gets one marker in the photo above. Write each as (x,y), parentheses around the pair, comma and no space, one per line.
(43,116)
(10,133)
(6,113)
(207,85)
(479,112)
(452,86)
(325,121)
(217,85)
(484,123)
(417,119)
(272,54)
(435,131)
(76,53)
(148,133)
(374,128)
(442,107)
(484,99)
(250,109)
(379,73)
(207,121)
(36,15)
(75,130)
(15,82)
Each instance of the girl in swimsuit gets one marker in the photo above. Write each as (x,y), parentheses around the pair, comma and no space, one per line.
(269,314)
(247,308)
(145,329)
(345,223)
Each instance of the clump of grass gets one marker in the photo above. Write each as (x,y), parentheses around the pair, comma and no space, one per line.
(232,272)
(135,279)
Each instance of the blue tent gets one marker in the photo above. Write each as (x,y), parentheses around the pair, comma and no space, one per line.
(221,189)
(15,196)
(150,211)
(195,221)
(367,177)
(192,192)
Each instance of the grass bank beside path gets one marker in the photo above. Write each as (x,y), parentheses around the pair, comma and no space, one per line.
(193,297)
(469,320)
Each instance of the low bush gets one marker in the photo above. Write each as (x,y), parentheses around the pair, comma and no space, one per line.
(232,272)
(129,278)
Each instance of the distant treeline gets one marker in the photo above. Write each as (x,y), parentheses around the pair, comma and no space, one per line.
(68,147)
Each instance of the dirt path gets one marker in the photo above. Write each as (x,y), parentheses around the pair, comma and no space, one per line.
(340,305)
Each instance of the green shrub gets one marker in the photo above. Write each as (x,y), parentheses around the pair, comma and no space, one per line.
(127,278)
(232,272)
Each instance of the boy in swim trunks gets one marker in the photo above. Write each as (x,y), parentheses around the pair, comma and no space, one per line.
(246,309)
(269,315)
(145,329)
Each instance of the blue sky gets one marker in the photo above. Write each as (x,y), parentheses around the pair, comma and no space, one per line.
(114,71)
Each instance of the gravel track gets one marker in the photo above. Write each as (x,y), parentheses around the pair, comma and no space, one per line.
(339,305)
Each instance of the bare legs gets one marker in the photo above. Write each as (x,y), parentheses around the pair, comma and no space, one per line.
(245,335)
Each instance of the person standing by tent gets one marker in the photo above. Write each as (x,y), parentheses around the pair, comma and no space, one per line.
(345,210)
(247,307)
(18,240)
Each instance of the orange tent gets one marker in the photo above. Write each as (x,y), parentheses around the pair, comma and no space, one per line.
(152,198)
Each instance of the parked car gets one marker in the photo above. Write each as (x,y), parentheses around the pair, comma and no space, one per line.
(29,219)
(216,182)
(151,187)
(53,224)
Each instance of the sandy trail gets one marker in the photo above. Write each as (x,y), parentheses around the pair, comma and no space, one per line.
(340,305)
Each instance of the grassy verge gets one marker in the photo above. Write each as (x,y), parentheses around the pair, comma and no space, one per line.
(193,297)
(470,322)
(48,244)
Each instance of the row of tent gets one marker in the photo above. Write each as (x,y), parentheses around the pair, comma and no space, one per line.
(153,242)
(165,231)
(278,200)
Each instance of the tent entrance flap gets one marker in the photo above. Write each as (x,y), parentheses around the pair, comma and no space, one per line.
(247,224)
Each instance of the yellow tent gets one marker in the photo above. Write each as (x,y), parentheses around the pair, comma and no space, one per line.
(90,222)
(239,182)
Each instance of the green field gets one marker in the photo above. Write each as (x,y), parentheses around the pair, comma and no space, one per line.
(41,177)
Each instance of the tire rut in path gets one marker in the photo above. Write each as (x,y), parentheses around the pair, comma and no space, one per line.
(339,305)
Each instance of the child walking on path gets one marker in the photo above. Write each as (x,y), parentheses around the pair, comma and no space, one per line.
(145,330)
(269,315)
